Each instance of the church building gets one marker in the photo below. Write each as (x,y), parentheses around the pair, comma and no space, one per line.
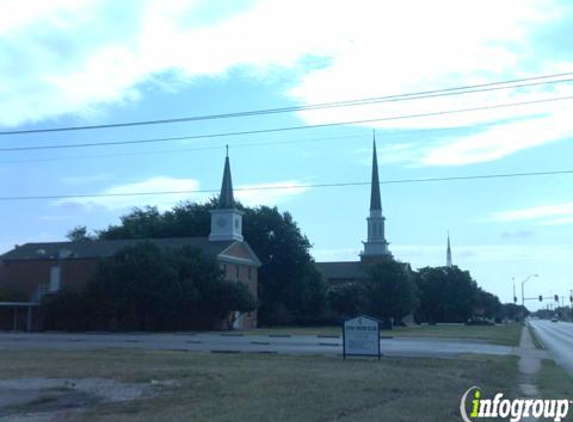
(375,246)
(30,271)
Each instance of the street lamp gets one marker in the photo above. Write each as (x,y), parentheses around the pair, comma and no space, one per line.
(522,291)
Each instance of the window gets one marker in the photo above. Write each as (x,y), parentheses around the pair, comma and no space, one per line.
(249,273)
(238,273)
(55,276)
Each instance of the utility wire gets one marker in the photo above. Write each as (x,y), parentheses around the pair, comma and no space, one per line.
(290,128)
(308,186)
(178,150)
(399,132)
(469,89)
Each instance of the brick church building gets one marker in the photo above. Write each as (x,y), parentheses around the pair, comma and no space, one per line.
(30,271)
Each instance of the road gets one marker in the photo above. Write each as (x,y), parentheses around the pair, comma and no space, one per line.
(557,337)
(228,342)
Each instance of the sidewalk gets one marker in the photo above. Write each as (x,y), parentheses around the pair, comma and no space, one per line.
(529,365)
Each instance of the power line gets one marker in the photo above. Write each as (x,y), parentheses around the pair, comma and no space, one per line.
(172,151)
(367,136)
(290,128)
(469,89)
(287,187)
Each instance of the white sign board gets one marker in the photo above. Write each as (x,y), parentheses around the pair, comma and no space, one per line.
(361,337)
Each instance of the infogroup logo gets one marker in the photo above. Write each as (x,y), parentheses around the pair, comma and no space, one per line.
(514,410)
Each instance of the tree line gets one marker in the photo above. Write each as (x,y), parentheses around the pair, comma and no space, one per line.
(154,288)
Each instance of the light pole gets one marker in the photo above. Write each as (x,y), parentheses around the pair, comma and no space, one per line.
(516,315)
(523,294)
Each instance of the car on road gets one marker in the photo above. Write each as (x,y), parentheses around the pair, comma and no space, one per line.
(554,319)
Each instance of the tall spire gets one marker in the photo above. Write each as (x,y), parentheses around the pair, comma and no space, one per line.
(449,253)
(376,245)
(226,220)
(375,203)
(226,199)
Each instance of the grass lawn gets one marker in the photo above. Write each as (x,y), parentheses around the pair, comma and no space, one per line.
(506,334)
(553,382)
(500,334)
(251,387)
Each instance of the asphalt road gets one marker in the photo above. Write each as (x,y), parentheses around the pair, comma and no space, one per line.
(557,337)
(228,343)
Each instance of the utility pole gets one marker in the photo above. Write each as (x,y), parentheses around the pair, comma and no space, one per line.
(516,316)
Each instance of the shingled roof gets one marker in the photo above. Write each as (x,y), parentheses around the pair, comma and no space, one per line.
(105,248)
(346,270)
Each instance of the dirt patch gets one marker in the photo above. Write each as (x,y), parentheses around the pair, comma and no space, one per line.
(44,399)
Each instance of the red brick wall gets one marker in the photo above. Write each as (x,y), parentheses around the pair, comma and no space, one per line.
(230,270)
(20,279)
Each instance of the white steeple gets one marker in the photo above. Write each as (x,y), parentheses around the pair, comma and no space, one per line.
(376,244)
(226,220)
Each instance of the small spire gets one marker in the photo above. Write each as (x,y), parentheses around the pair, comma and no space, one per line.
(375,202)
(449,253)
(226,199)
(227,147)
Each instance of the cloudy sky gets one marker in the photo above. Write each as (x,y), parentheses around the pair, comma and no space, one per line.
(81,62)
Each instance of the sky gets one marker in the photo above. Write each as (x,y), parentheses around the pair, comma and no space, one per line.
(67,63)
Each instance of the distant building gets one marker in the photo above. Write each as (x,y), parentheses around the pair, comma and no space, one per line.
(32,270)
(375,246)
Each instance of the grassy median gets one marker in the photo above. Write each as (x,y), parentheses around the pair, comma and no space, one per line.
(251,387)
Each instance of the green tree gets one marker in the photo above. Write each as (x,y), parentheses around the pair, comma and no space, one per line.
(487,305)
(345,300)
(159,288)
(289,286)
(79,234)
(447,294)
(389,290)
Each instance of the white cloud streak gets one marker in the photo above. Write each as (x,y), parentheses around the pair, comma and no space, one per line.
(154,184)
(251,195)
(557,214)
(269,193)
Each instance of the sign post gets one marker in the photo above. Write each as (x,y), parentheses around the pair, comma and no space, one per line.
(361,337)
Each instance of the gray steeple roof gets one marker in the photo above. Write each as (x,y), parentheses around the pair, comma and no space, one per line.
(226,200)
(449,253)
(375,202)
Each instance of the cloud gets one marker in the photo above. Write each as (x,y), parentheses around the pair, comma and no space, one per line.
(557,214)
(73,56)
(518,234)
(154,184)
(77,57)
(502,140)
(185,189)
(269,193)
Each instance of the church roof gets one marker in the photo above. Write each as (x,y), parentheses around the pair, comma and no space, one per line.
(226,199)
(342,270)
(375,202)
(105,248)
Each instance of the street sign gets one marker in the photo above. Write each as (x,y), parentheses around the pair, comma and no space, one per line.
(361,337)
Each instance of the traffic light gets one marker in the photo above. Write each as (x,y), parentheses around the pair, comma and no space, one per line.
(570,298)
(556,298)
(514,299)
(540,298)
